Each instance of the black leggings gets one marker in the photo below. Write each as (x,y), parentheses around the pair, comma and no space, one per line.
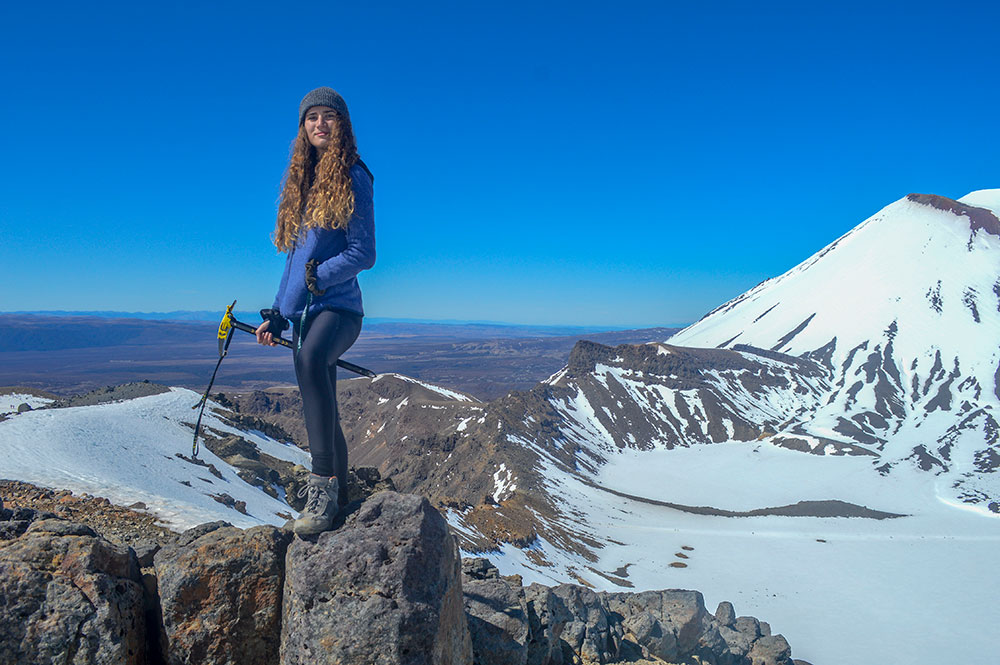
(328,335)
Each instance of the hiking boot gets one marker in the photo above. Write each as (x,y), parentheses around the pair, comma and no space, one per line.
(321,505)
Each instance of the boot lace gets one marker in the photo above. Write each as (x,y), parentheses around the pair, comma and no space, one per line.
(316,499)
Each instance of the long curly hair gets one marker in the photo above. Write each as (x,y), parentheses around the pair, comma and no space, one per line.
(317,192)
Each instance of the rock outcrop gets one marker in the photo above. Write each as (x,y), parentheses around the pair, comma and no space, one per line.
(220,595)
(497,612)
(570,624)
(66,594)
(385,587)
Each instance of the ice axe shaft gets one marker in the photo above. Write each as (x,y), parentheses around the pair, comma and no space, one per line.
(350,367)
(239,325)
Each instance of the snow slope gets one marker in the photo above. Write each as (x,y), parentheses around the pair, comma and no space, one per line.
(127,452)
(918,589)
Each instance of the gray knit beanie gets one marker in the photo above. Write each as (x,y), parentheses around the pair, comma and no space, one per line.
(323,97)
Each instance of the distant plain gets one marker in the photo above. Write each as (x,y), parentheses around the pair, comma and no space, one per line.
(68,354)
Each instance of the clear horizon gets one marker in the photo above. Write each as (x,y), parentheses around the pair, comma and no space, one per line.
(564,164)
(369,319)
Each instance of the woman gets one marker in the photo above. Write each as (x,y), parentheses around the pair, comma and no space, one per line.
(326,224)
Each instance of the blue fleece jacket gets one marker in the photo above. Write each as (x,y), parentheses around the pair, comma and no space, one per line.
(342,255)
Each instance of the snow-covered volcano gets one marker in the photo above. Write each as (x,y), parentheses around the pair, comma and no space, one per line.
(903,313)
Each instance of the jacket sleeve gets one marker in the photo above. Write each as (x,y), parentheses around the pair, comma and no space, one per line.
(360,251)
(284,282)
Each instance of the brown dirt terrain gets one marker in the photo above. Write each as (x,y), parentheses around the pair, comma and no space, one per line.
(122,526)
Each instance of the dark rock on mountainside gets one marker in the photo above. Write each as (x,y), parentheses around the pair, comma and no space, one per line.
(979,218)
(220,595)
(637,416)
(260,469)
(280,478)
(276,412)
(110,394)
(385,587)
(67,595)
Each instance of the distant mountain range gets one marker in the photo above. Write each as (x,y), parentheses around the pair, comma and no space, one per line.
(70,354)
(179,315)
(447,326)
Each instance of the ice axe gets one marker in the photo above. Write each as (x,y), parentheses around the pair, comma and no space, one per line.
(226,328)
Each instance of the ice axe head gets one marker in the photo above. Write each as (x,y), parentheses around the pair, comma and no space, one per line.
(226,330)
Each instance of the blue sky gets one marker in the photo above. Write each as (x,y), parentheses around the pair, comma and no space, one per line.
(579,163)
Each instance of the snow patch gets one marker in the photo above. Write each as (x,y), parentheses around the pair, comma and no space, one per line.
(552,380)
(503,483)
(10,402)
(445,392)
(127,452)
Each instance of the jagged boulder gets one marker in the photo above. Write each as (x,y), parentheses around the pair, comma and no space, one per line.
(497,613)
(220,595)
(725,615)
(770,650)
(68,596)
(682,627)
(15,521)
(590,633)
(546,619)
(384,587)
(648,632)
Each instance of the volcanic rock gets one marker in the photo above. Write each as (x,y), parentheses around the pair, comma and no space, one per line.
(590,634)
(497,613)
(771,650)
(383,587)
(546,619)
(572,624)
(69,596)
(725,614)
(220,593)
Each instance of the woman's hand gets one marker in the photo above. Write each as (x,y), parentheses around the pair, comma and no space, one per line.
(263,336)
(312,281)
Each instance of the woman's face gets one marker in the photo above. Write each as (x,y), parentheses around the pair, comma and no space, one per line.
(318,124)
